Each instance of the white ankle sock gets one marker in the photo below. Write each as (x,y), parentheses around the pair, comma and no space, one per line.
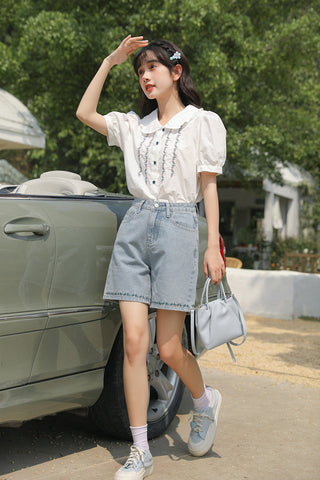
(140,437)
(204,401)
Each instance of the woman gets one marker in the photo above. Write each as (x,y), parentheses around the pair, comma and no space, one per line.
(172,157)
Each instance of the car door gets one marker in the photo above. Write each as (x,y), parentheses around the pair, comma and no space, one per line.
(75,339)
(27,251)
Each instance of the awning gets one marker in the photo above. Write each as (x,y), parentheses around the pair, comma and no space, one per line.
(18,127)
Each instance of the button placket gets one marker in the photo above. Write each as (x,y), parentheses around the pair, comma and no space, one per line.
(154,163)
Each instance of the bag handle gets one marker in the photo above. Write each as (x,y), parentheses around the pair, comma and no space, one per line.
(205,292)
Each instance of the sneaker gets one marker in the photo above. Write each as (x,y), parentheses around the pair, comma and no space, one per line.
(138,466)
(203,426)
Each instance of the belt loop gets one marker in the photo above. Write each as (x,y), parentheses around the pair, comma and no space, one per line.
(168,209)
(141,205)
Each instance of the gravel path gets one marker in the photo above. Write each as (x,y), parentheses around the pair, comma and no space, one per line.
(286,350)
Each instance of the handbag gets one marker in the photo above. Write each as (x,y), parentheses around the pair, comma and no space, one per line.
(217,322)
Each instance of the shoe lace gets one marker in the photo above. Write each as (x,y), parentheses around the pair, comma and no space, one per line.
(197,423)
(136,455)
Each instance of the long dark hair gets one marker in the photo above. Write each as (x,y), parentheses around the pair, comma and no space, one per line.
(163,50)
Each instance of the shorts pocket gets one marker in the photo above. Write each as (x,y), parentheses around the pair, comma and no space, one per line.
(185,220)
(131,213)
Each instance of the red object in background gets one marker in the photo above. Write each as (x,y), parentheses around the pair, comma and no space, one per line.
(222,249)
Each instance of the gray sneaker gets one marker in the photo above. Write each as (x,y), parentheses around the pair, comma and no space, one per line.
(203,426)
(138,466)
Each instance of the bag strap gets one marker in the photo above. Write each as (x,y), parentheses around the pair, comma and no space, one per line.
(243,324)
(231,352)
(192,330)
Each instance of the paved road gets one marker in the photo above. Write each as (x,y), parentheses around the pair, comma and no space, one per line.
(267,431)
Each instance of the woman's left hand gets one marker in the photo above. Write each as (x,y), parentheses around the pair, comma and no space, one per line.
(214,265)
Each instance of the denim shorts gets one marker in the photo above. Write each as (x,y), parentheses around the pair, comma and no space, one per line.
(155,256)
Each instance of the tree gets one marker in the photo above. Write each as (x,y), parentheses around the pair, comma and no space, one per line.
(256,63)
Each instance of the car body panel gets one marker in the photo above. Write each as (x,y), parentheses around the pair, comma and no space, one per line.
(72,341)
(17,353)
(85,232)
(44,398)
(26,258)
(75,347)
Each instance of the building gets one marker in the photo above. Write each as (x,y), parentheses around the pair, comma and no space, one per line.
(265,212)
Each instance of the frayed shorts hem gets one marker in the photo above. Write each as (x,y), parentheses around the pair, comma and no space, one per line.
(180,307)
(129,297)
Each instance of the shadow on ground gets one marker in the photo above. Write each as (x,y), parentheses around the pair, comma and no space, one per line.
(55,437)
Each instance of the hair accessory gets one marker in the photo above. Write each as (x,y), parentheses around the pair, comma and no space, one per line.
(176,56)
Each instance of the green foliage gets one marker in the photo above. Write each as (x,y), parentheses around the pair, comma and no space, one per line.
(291,245)
(254,63)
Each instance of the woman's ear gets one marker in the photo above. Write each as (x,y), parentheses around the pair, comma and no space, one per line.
(177,71)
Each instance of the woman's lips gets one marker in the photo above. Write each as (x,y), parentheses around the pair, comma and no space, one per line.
(149,88)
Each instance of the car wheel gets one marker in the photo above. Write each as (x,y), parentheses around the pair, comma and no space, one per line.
(109,414)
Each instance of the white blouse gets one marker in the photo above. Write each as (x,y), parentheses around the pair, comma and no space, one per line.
(163,162)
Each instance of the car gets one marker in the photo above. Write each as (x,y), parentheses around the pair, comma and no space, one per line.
(60,342)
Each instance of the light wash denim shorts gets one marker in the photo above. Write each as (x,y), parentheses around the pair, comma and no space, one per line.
(155,256)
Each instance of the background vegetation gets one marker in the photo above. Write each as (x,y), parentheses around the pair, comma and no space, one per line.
(255,62)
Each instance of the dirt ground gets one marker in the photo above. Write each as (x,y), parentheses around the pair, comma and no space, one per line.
(285,350)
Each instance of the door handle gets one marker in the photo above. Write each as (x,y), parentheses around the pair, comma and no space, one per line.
(38,229)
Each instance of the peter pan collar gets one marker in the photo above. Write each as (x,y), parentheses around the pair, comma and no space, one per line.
(150,123)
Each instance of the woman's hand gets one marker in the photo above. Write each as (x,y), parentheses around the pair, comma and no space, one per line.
(214,265)
(126,48)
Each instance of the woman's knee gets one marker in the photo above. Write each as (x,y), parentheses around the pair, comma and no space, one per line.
(135,346)
(170,353)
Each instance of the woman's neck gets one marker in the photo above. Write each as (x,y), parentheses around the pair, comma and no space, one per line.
(168,107)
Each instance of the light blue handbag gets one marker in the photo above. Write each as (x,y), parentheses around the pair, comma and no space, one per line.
(216,322)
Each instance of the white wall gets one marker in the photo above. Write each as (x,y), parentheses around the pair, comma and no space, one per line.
(276,294)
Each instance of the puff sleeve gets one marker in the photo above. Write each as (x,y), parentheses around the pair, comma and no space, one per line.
(212,143)
(120,127)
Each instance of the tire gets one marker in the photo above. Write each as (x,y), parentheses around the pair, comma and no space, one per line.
(109,414)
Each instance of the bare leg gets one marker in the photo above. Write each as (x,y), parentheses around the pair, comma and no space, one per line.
(135,341)
(169,334)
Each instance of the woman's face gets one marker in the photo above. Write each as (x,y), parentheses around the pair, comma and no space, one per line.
(155,79)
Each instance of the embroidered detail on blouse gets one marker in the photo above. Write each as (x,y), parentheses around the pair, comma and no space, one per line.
(145,160)
(174,156)
(164,156)
(174,153)
(139,154)
(167,163)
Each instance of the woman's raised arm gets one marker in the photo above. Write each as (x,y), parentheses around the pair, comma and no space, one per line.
(87,109)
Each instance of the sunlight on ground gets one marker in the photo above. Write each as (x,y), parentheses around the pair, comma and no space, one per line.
(287,350)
